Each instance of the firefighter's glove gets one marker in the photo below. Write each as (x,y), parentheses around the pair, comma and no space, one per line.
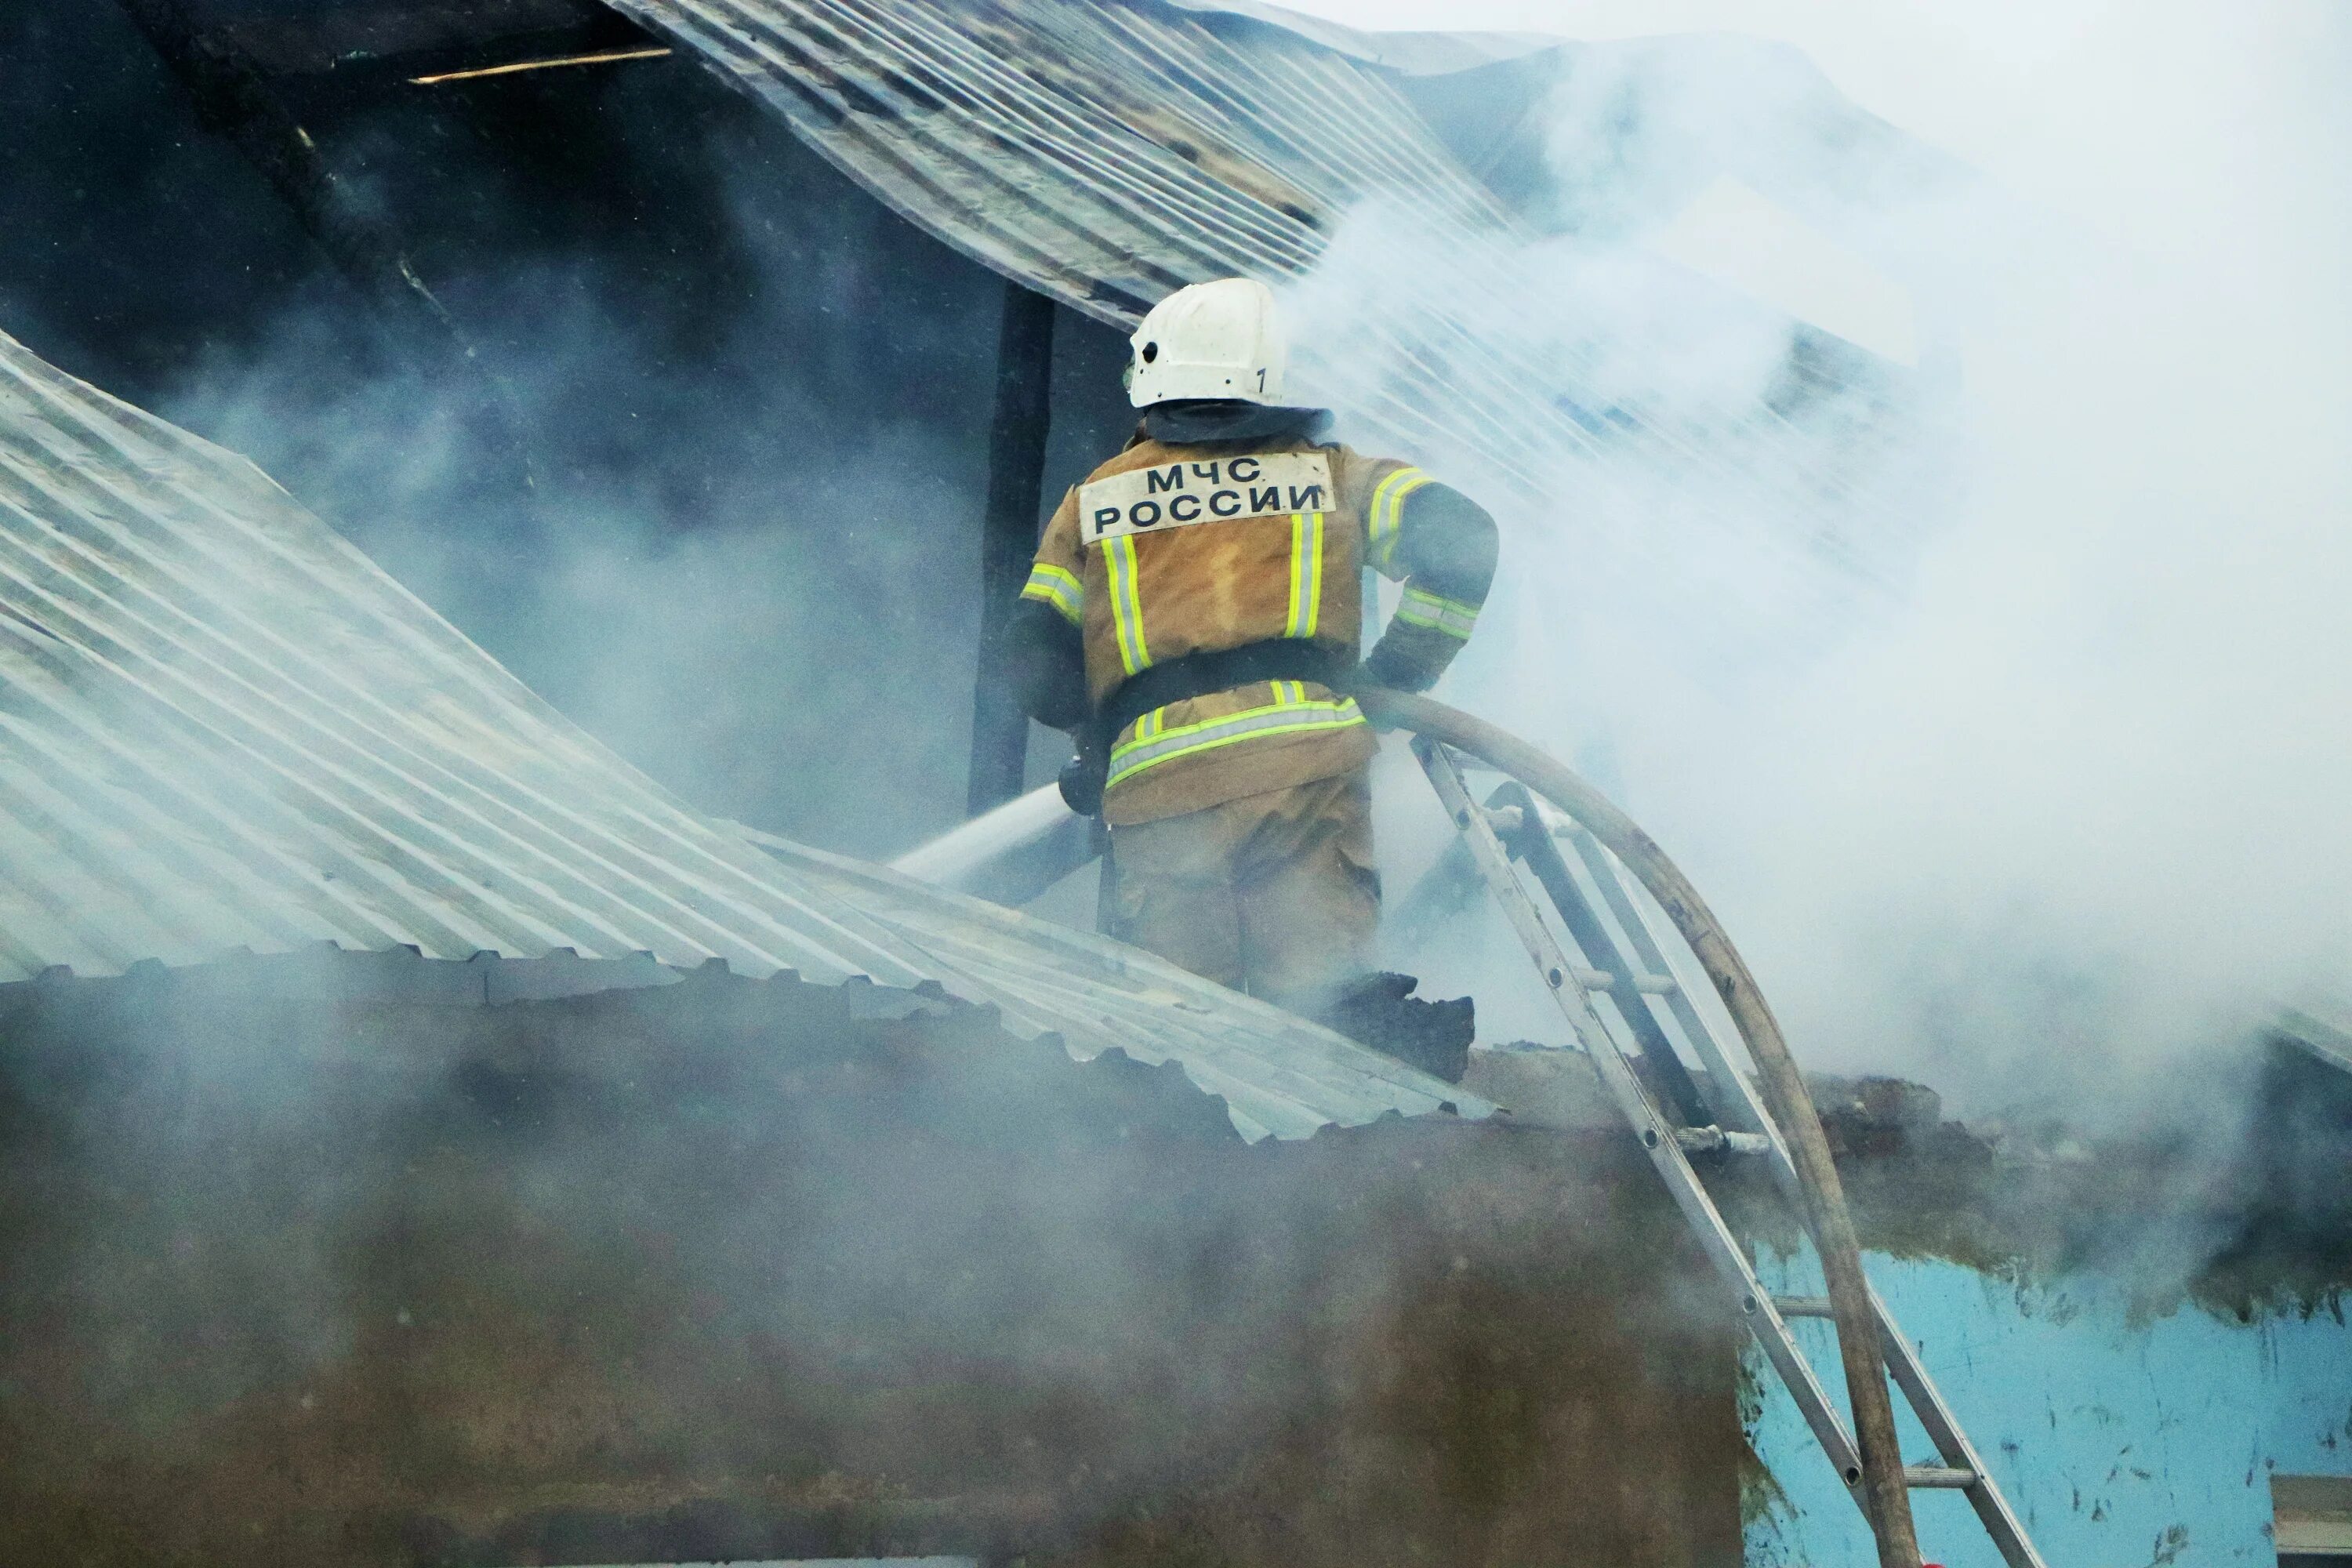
(1393,664)
(1081,784)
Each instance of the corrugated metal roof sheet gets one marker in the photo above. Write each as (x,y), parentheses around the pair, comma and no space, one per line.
(1413,54)
(221,727)
(1105,151)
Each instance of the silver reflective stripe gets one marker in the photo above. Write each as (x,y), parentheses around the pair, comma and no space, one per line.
(1306,574)
(1387,513)
(1059,587)
(1285,715)
(1452,616)
(1126,604)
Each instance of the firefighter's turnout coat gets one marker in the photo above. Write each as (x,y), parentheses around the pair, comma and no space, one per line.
(1179,547)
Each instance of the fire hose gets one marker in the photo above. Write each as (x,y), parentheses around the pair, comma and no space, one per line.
(1886,1499)
(1015,852)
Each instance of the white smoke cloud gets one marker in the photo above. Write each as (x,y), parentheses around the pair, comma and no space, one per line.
(2029,760)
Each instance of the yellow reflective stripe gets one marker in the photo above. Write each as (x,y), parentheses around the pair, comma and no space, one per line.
(1126,603)
(1286,694)
(1061,589)
(1306,574)
(1388,511)
(1280,717)
(1424,608)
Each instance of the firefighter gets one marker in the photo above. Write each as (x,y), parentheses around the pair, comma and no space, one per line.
(1193,615)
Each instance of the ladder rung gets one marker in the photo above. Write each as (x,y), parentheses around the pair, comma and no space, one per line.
(1937,1476)
(1716,1141)
(1639,958)
(1644,984)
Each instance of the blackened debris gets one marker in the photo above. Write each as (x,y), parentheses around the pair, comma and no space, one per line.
(1380,1011)
(2244,1221)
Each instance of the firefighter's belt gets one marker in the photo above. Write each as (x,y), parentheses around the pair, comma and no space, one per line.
(1181,680)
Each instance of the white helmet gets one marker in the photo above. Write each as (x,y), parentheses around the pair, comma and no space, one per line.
(1210,340)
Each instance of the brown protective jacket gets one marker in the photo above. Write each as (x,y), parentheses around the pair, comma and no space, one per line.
(1168,550)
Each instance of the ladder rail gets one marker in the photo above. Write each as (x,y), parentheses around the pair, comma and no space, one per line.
(1530,842)
(1736,1097)
(1927,1400)
(1640,1067)
(1655,1133)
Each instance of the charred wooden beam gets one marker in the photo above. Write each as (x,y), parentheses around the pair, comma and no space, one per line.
(544,62)
(233,99)
(1016,467)
(396,40)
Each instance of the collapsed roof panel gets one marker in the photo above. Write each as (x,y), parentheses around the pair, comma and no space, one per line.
(221,727)
(1408,53)
(1105,151)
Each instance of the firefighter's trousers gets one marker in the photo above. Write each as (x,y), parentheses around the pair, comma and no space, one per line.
(1273,894)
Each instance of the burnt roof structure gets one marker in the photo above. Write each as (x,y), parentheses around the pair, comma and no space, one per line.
(770,233)
(223,728)
(1104,154)
(320,757)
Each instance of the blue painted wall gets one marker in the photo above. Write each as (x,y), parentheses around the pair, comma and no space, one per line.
(2124,1443)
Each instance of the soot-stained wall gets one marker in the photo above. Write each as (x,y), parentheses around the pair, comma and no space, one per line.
(303,1261)
(753,403)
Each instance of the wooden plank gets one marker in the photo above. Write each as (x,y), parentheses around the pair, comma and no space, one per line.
(408,37)
(1016,469)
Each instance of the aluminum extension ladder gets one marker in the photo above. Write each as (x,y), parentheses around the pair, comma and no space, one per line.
(1625,964)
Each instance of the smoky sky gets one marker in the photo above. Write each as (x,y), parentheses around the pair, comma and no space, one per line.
(2013,758)
(1995,700)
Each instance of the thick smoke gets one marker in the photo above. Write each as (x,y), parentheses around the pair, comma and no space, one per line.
(732,622)
(752,401)
(2012,756)
(736,643)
